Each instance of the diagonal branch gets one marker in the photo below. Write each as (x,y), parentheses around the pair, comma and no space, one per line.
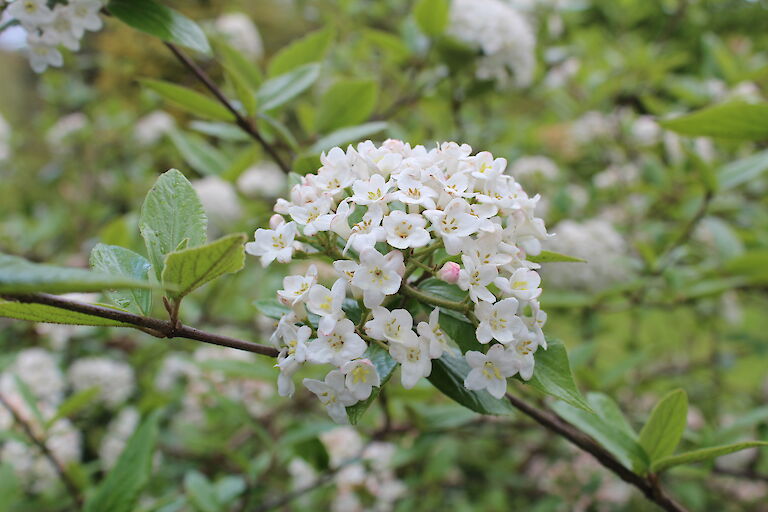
(244,123)
(70,485)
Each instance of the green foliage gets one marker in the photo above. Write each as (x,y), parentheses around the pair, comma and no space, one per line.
(743,171)
(448,374)
(552,375)
(664,428)
(554,257)
(198,154)
(310,48)
(385,367)
(191,268)
(119,261)
(737,120)
(18,275)
(52,315)
(74,404)
(189,100)
(432,16)
(160,21)
(702,454)
(172,218)
(346,103)
(281,89)
(347,135)
(121,489)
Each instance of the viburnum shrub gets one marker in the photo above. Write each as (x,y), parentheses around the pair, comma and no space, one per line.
(396,223)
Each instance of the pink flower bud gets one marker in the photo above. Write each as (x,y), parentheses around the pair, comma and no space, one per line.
(449,273)
(276,221)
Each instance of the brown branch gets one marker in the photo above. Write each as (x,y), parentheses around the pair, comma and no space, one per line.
(245,124)
(154,326)
(70,485)
(648,486)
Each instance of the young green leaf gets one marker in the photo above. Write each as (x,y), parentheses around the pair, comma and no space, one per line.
(385,367)
(236,60)
(201,492)
(120,261)
(448,374)
(74,404)
(52,315)
(243,89)
(553,257)
(432,16)
(664,428)
(703,454)
(346,103)
(160,21)
(171,213)
(733,120)
(283,88)
(271,308)
(610,413)
(191,268)
(18,275)
(198,154)
(310,48)
(552,375)
(742,171)
(189,100)
(615,439)
(348,135)
(121,489)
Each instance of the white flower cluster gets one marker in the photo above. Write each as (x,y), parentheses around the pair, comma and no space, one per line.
(595,241)
(117,435)
(114,379)
(383,214)
(63,24)
(503,35)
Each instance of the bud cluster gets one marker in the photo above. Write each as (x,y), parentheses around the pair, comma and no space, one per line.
(389,218)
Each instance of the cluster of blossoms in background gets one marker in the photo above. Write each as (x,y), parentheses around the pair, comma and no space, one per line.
(49,27)
(388,218)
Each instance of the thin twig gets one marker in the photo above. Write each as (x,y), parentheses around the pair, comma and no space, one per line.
(154,326)
(70,485)
(245,124)
(648,486)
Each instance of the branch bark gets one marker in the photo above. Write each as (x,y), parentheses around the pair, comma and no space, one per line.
(244,123)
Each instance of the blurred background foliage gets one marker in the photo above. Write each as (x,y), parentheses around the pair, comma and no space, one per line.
(676,238)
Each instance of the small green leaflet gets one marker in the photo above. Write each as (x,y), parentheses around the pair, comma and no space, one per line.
(733,120)
(554,257)
(703,454)
(552,375)
(664,428)
(283,88)
(189,100)
(310,48)
(119,261)
(52,315)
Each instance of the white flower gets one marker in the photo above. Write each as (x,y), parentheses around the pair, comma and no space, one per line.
(241,33)
(475,278)
(41,55)
(333,394)
(61,29)
(389,325)
(490,371)
(361,376)
(85,14)
(219,199)
(412,352)
(367,232)
(296,288)
(264,179)
(327,303)
(118,432)
(498,321)
(339,346)
(405,230)
(274,244)
(314,215)
(371,192)
(522,354)
(295,340)
(31,13)
(523,284)
(150,128)
(413,192)
(378,275)
(114,379)
(454,223)
(288,367)
(432,332)
(37,368)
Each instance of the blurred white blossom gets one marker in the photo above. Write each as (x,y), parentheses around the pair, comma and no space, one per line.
(264,179)
(150,128)
(118,432)
(114,379)
(241,33)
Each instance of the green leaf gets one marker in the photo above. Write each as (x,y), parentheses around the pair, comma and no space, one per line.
(703,454)
(752,264)
(434,286)
(306,163)
(310,48)
(18,275)
(236,60)
(346,103)
(201,493)
(553,257)
(189,100)
(228,488)
(733,120)
(171,214)
(120,261)
(283,88)
(271,308)
(52,315)
(460,330)
(610,413)
(160,21)
(74,404)
(280,129)
(198,154)
(29,398)
(552,375)
(224,131)
(663,430)
(448,374)
(385,367)
(243,89)
(742,171)
(432,16)
(616,440)
(191,268)
(348,135)
(121,489)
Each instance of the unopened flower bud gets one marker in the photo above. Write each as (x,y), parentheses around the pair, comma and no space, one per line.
(449,273)
(276,221)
